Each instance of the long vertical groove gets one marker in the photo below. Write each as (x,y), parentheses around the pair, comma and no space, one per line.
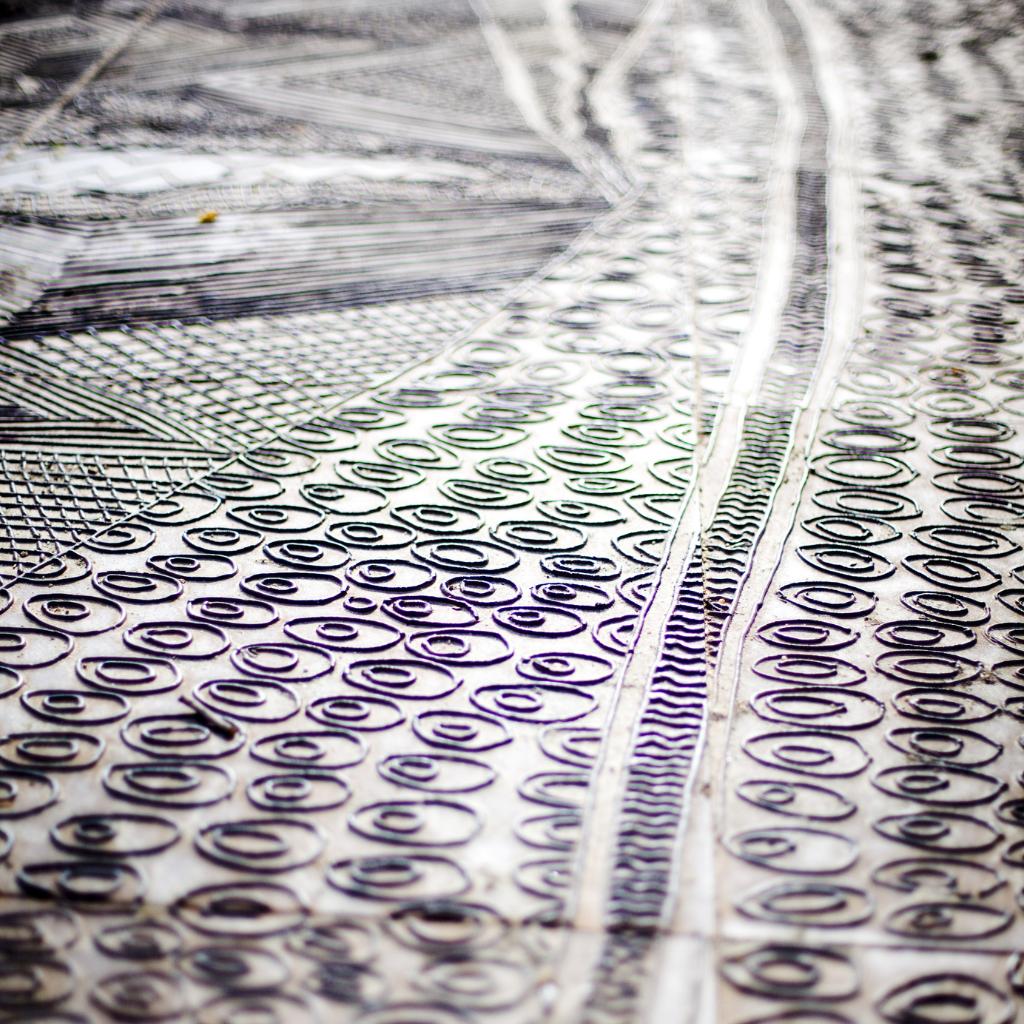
(665,736)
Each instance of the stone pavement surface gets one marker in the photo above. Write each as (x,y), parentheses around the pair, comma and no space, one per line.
(511,511)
